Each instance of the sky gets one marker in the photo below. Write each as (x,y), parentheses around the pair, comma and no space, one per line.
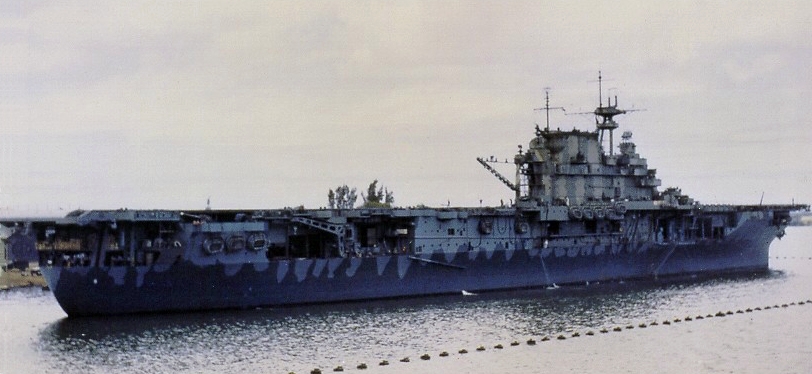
(269,104)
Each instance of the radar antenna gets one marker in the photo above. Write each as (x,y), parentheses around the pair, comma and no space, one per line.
(607,113)
(547,108)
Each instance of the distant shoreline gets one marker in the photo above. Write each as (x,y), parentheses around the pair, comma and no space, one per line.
(14,278)
(801,219)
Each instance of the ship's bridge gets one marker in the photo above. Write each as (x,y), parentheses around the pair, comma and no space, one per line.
(572,167)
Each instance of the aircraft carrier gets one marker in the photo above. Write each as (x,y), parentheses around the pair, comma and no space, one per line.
(583,212)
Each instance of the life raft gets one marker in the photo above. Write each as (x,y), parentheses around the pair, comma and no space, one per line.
(257,241)
(213,245)
(576,213)
(236,243)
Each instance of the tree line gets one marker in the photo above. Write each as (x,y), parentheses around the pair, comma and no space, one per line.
(344,197)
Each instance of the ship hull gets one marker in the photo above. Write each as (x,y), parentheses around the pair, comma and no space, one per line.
(184,285)
(580,214)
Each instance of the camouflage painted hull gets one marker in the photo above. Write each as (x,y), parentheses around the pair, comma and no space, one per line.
(184,286)
(583,211)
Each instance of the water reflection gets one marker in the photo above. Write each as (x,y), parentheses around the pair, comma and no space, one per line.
(300,337)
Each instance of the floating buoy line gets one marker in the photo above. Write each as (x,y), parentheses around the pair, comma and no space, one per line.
(604,330)
(790,258)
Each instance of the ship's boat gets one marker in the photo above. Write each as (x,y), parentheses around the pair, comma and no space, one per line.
(581,214)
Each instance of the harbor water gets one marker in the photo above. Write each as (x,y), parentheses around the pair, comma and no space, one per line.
(735,324)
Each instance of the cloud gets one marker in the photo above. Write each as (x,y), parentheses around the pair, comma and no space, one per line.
(272,103)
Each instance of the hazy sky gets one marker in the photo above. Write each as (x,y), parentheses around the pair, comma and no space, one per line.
(163,104)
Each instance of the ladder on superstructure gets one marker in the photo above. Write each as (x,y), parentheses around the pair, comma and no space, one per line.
(498,175)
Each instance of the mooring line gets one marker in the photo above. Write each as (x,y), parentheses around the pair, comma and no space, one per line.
(575,334)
